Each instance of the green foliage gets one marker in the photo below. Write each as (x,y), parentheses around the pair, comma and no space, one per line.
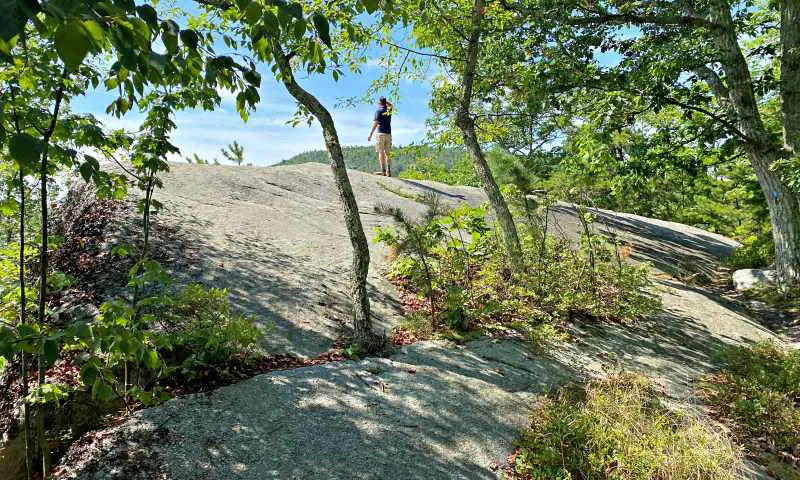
(9,282)
(613,98)
(418,323)
(156,335)
(618,427)
(639,169)
(460,172)
(198,160)
(52,52)
(784,300)
(789,168)
(757,251)
(419,239)
(544,335)
(401,192)
(190,336)
(199,333)
(453,258)
(756,394)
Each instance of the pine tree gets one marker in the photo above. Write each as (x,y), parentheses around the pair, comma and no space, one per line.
(234,153)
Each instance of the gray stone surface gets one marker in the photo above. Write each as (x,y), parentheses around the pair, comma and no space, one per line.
(275,237)
(751,278)
(674,346)
(672,248)
(432,410)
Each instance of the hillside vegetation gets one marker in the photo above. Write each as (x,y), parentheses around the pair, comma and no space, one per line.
(364,159)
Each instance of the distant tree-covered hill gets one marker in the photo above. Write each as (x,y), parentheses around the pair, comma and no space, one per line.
(365,159)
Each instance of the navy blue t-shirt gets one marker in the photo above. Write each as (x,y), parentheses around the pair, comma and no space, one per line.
(384,118)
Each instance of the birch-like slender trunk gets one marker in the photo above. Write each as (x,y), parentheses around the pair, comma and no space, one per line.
(363,335)
(466,124)
(23,306)
(43,268)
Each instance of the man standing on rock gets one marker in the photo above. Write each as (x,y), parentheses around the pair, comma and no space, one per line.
(383,144)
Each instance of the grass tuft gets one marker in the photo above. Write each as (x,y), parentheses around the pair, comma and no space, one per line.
(757,394)
(617,427)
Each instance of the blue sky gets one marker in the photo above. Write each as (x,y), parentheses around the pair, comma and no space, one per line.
(266,137)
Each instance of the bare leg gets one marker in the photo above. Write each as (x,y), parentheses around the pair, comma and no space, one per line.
(382,161)
(388,160)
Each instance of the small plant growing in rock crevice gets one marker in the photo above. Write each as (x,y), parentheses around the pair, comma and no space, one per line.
(418,239)
(234,152)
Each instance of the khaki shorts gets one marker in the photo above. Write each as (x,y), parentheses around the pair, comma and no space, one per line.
(384,143)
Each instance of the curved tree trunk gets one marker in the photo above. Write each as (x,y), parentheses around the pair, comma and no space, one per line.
(467,126)
(364,337)
(761,148)
(784,214)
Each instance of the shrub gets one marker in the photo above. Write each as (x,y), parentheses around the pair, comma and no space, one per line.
(437,256)
(186,337)
(562,284)
(785,299)
(617,427)
(201,336)
(455,263)
(459,172)
(757,393)
(757,251)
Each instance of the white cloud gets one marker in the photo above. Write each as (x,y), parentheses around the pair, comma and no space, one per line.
(267,139)
(376,62)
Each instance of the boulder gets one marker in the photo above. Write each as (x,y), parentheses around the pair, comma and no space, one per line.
(751,278)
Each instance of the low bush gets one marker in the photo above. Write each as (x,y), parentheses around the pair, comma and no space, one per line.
(200,335)
(617,427)
(186,339)
(757,393)
(757,251)
(784,299)
(453,264)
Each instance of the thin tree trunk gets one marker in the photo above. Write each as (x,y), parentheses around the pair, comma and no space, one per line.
(543,245)
(428,278)
(23,305)
(466,124)
(363,335)
(9,195)
(580,212)
(43,267)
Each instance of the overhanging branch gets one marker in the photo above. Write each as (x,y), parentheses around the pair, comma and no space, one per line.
(725,123)
(598,18)
(425,54)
